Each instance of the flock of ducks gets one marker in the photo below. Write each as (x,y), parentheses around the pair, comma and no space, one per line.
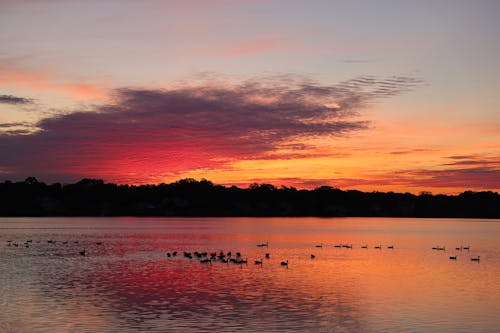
(458,248)
(228,257)
(29,243)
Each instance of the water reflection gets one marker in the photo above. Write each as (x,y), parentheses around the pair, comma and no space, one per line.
(128,284)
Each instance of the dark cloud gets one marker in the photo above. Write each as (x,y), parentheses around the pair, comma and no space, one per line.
(478,178)
(153,132)
(9,99)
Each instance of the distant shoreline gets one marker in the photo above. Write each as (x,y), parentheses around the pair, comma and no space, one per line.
(192,198)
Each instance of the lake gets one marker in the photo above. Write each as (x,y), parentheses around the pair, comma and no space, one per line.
(126,283)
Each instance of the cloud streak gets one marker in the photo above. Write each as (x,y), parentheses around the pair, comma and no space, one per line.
(14,100)
(146,135)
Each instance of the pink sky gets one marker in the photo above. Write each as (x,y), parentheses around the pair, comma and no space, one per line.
(384,96)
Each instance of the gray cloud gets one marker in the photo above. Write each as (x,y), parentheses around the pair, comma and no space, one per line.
(9,99)
(190,127)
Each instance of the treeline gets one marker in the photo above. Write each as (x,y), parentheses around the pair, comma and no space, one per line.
(189,197)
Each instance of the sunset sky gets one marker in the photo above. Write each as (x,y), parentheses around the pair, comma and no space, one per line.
(371,95)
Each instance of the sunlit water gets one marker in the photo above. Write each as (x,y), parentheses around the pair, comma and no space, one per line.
(127,284)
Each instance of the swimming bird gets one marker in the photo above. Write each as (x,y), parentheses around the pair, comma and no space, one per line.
(319,245)
(466,247)
(82,253)
(267,255)
(168,254)
(174,253)
(453,257)
(378,247)
(313,256)
(206,261)
(364,246)
(390,247)
(259,262)
(475,259)
(284,263)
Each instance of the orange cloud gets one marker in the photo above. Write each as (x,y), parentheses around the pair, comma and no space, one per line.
(49,81)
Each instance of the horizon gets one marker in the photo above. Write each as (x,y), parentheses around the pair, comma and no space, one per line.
(385,96)
(248,187)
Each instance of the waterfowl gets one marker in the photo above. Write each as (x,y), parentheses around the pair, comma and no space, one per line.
(319,245)
(267,255)
(313,256)
(390,247)
(453,257)
(82,253)
(206,261)
(364,246)
(266,244)
(284,263)
(378,247)
(466,247)
(259,262)
(174,253)
(475,259)
(168,254)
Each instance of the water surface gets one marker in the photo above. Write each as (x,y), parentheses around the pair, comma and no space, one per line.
(127,283)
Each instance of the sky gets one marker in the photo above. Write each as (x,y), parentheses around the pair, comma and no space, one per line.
(371,95)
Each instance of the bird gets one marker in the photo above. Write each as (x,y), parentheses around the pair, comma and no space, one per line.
(319,245)
(267,255)
(475,259)
(390,247)
(206,261)
(168,254)
(453,257)
(466,247)
(364,246)
(313,256)
(378,247)
(258,262)
(82,253)
(284,263)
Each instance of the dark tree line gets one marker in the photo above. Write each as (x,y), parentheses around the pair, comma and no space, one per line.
(188,197)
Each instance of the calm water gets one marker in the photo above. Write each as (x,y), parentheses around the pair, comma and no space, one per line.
(127,284)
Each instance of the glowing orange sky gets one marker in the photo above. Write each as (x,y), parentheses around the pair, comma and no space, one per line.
(240,92)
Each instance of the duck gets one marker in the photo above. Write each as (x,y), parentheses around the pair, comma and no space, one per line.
(475,259)
(259,262)
(82,253)
(453,257)
(284,263)
(313,256)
